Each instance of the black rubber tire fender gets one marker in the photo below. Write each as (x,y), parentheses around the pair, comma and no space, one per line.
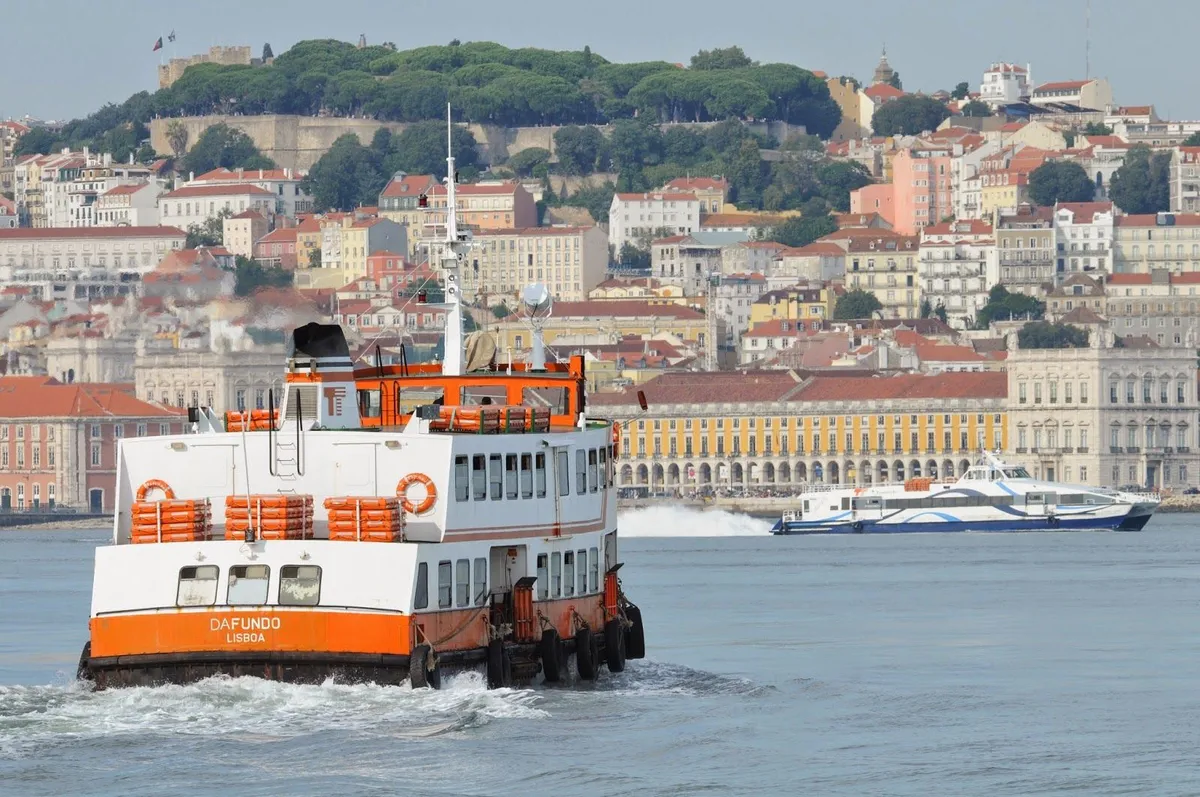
(586,660)
(550,650)
(614,645)
(635,634)
(420,674)
(499,666)
(83,671)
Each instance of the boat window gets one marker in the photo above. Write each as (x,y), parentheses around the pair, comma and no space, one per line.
(1016,473)
(569,573)
(539,474)
(483,394)
(409,398)
(248,585)
(594,578)
(543,577)
(444,584)
(300,585)
(496,476)
(604,467)
(581,562)
(553,397)
(462,583)
(197,586)
(481,587)
(580,471)
(510,476)
(479,477)
(555,575)
(610,551)
(564,474)
(421,599)
(593,471)
(462,487)
(368,404)
(527,475)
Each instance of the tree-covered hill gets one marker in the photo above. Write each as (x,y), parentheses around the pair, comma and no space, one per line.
(485,82)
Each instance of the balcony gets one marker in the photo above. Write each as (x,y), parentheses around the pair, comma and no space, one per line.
(1081,450)
(1182,449)
(1022,450)
(1067,450)
(1133,450)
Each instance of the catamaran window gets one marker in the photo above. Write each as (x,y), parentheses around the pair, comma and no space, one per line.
(479,477)
(445,584)
(1016,473)
(368,403)
(496,476)
(462,487)
(604,467)
(555,575)
(569,573)
(594,578)
(564,474)
(580,471)
(421,599)
(485,394)
(248,585)
(581,561)
(462,583)
(527,475)
(539,474)
(593,471)
(300,585)
(197,586)
(543,577)
(510,475)
(481,587)
(409,398)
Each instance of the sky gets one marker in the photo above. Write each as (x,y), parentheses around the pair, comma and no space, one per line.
(101,51)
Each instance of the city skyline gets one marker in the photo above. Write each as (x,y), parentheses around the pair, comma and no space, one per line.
(1051,38)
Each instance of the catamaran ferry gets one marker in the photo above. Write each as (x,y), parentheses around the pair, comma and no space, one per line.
(991,496)
(386,524)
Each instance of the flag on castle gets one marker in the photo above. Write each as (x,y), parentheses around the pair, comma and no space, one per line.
(157,45)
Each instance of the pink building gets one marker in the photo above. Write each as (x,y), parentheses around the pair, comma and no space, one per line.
(875,198)
(921,184)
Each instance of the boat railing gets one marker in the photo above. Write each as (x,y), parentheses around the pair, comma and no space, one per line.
(823,488)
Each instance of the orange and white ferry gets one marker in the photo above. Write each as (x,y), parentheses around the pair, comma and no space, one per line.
(385,524)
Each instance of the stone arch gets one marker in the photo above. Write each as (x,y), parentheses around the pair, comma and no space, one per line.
(882,470)
(818,473)
(850,474)
(865,475)
(963,466)
(752,473)
(834,473)
(643,474)
(739,476)
(656,476)
(626,474)
(898,470)
(672,474)
(947,470)
(768,473)
(705,473)
(931,469)
(800,474)
(914,469)
(785,473)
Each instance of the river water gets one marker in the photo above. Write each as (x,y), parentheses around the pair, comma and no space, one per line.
(951,664)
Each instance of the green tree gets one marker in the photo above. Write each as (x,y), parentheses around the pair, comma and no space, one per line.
(975,108)
(1192,141)
(802,231)
(909,115)
(894,81)
(501,311)
(634,257)
(596,200)
(940,312)
(267,52)
(1044,335)
(856,304)
(961,91)
(347,176)
(314,257)
(1005,306)
(210,232)
(634,144)
(252,275)
(1060,181)
(421,149)
(748,175)
(524,162)
(838,179)
(578,148)
(37,141)
(721,58)
(223,146)
(1097,129)
(1142,184)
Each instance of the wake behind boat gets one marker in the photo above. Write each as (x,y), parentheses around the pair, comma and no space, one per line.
(991,496)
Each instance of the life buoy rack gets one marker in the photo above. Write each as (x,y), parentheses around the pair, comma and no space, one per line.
(155,484)
(430,493)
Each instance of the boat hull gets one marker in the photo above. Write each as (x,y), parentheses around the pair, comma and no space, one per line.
(1135,520)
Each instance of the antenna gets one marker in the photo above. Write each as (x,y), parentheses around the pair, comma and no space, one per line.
(452,253)
(537,306)
(1087,43)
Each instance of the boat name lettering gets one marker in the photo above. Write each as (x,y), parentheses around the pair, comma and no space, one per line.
(244,624)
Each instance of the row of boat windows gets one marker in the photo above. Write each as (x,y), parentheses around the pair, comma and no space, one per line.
(249,585)
(496,477)
(559,579)
(454,586)
(950,501)
(461,584)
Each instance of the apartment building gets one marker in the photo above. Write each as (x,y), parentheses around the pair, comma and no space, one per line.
(569,261)
(239,232)
(1147,243)
(888,268)
(196,204)
(128,205)
(1083,234)
(639,219)
(958,265)
(1025,248)
(285,184)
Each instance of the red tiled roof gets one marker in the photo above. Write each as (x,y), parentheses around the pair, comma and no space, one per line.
(216,190)
(477,189)
(123,190)
(249,214)
(248,175)
(52,233)
(31,399)
(963,227)
(533,231)
(883,91)
(409,185)
(671,239)
(279,235)
(815,249)
(1085,212)
(1111,142)
(981,385)
(1151,220)
(1063,85)
(739,219)
(698,184)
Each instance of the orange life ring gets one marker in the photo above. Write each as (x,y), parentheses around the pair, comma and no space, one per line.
(430,493)
(156,484)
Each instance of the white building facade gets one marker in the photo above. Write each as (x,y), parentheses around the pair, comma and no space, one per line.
(640,218)
(958,265)
(197,204)
(1004,84)
(131,205)
(569,261)
(1083,233)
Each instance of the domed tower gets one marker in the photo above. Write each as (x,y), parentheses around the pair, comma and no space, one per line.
(883,72)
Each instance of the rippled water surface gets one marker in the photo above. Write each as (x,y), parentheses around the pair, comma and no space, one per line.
(892,664)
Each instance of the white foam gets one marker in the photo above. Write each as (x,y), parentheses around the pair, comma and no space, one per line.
(677,521)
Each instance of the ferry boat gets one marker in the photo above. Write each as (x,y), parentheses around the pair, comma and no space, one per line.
(387,523)
(991,496)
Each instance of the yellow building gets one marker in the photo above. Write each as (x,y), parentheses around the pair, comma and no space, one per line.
(748,429)
(600,323)
(308,241)
(799,303)
(711,191)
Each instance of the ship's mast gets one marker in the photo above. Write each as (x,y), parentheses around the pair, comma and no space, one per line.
(453,254)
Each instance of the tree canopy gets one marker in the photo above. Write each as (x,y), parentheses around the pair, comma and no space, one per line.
(961,91)
(221,145)
(802,230)
(976,108)
(1005,306)
(1060,181)
(909,115)
(856,304)
(252,275)
(1192,141)
(1044,335)
(1143,183)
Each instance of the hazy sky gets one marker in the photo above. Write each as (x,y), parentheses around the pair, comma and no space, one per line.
(64,58)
